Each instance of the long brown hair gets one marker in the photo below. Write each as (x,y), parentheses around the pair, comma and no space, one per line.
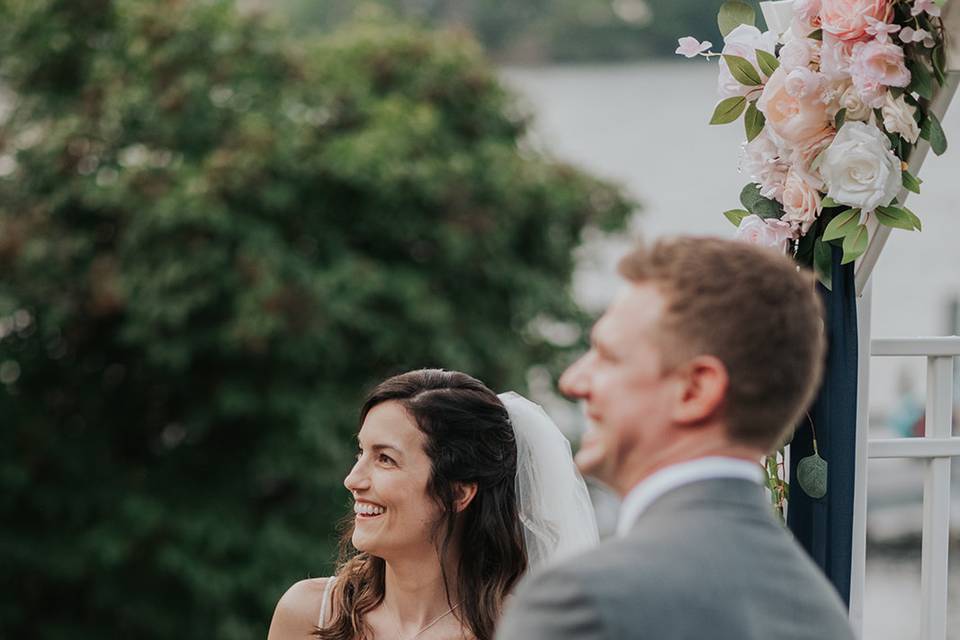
(469,439)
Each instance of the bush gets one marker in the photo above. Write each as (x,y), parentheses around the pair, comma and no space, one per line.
(213,240)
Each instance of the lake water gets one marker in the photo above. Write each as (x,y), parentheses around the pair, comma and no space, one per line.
(645,127)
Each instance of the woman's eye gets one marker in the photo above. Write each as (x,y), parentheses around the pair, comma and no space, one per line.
(385,459)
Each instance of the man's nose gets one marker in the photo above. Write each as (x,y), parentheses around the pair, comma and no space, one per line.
(357,479)
(574,383)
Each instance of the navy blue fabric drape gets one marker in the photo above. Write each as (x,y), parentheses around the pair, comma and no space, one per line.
(825,527)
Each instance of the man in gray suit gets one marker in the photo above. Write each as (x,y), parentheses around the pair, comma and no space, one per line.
(701,366)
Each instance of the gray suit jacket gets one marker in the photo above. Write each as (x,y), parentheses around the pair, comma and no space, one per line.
(706,560)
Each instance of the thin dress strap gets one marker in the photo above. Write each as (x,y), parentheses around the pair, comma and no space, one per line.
(325,602)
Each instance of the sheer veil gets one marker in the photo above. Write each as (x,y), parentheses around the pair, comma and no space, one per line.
(555,508)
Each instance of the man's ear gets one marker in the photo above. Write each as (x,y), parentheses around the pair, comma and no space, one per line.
(704,382)
(464,493)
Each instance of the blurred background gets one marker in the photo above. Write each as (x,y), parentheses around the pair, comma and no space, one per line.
(222,222)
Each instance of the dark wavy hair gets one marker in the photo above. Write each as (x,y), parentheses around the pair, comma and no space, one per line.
(469,439)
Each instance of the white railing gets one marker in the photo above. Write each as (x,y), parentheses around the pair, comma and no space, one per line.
(936,447)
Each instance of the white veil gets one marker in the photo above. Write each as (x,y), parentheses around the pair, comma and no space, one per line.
(554,506)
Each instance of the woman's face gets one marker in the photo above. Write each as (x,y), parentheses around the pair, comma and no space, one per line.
(393,514)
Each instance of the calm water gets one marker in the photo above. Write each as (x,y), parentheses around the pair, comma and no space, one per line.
(644,126)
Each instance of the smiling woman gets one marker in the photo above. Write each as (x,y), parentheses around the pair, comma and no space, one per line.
(435,543)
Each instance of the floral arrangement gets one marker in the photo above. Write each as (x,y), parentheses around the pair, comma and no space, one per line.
(832,109)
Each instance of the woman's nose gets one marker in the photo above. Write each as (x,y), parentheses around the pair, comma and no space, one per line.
(357,479)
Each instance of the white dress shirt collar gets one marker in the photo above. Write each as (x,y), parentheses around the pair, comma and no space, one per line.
(647,491)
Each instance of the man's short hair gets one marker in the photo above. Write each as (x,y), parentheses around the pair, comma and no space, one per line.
(752,308)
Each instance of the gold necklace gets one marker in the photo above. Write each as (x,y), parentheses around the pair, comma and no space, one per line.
(425,627)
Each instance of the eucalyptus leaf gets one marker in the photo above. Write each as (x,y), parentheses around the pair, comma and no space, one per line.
(732,14)
(742,70)
(826,202)
(842,224)
(823,263)
(728,110)
(753,121)
(757,204)
(736,215)
(933,132)
(854,244)
(767,61)
(911,182)
(939,59)
(812,476)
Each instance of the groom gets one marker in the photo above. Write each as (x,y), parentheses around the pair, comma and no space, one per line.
(702,365)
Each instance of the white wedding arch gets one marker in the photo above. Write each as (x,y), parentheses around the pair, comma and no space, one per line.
(938,445)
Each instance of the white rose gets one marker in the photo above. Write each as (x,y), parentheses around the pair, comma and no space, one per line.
(856,108)
(859,168)
(744,42)
(898,118)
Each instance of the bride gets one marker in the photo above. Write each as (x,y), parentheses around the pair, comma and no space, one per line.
(456,493)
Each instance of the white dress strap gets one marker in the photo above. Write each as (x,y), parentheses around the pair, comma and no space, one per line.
(325,601)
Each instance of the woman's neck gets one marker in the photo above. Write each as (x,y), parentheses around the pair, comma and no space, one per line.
(414,591)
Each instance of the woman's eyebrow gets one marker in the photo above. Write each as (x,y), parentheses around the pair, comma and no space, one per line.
(381,447)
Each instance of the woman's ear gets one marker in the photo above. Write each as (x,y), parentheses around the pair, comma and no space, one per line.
(464,493)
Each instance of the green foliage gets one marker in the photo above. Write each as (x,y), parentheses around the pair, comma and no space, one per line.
(535,30)
(213,240)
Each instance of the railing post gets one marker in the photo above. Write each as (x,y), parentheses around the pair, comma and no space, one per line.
(936,502)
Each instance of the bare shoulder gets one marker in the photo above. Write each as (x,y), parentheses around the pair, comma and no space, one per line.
(298,611)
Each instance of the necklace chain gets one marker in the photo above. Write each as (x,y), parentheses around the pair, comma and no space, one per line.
(425,627)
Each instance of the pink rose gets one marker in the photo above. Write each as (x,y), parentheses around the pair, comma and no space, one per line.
(847,19)
(802,158)
(763,164)
(875,66)
(766,233)
(803,82)
(794,119)
(806,17)
(801,200)
(835,57)
(799,52)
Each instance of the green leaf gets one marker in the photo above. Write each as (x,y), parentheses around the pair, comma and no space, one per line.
(758,205)
(728,110)
(767,61)
(816,35)
(812,476)
(826,202)
(854,244)
(842,224)
(823,263)
(736,215)
(933,132)
(911,182)
(921,81)
(753,121)
(734,13)
(742,70)
(894,217)
(939,58)
(839,119)
(914,219)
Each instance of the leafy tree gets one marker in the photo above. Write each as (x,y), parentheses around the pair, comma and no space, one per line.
(213,240)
